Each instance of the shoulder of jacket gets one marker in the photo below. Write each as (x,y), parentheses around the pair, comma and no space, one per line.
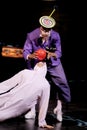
(34,34)
(55,34)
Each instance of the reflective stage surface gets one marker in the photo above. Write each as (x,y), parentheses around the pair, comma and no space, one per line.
(74,118)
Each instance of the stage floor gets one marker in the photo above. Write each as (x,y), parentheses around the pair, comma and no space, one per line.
(74,118)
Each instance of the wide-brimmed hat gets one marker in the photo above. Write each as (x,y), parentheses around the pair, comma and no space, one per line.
(47,22)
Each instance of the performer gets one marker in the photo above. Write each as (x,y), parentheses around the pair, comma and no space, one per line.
(21,92)
(45,37)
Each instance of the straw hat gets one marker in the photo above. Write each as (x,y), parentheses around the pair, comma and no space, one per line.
(47,22)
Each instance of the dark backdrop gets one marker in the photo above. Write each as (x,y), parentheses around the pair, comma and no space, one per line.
(16,19)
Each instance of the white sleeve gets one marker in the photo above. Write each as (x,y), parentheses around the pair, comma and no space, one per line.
(43,104)
(11,82)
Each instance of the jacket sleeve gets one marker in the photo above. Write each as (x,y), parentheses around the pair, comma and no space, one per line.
(43,106)
(27,49)
(56,41)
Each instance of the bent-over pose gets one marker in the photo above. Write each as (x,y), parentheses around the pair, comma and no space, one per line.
(21,92)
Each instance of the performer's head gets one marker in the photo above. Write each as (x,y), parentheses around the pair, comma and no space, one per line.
(41,68)
(46,23)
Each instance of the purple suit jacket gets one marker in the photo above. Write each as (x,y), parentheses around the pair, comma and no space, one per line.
(33,42)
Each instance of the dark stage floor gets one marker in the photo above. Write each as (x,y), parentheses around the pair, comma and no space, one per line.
(74,118)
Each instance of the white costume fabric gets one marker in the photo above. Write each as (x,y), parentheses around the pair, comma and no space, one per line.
(20,93)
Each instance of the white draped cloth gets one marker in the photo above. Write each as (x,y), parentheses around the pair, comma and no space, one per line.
(20,93)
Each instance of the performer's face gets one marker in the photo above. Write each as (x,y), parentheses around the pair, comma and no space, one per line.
(45,32)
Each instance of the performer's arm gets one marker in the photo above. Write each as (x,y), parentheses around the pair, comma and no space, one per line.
(43,106)
(11,82)
(27,49)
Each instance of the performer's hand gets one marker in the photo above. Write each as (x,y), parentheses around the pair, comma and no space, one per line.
(47,126)
(51,54)
(32,56)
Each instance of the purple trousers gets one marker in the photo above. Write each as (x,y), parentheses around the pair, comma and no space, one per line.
(57,76)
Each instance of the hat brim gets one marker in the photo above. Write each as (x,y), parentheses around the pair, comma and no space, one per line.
(47,22)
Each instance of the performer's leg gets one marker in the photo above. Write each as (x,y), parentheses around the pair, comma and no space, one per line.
(31,114)
(59,79)
(58,110)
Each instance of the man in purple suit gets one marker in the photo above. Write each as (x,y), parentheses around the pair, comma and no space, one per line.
(45,37)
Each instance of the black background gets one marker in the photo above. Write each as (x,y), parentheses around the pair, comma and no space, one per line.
(16,19)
